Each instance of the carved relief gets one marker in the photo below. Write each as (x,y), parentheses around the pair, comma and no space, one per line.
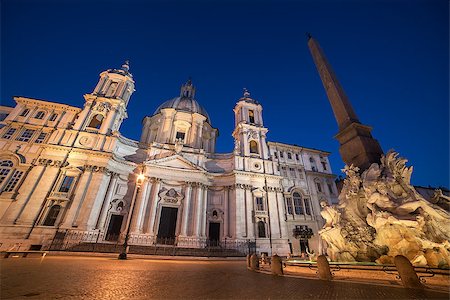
(170,196)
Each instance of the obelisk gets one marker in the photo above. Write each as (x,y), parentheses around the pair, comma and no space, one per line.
(357,146)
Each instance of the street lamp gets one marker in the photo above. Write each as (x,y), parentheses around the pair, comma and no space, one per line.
(139,180)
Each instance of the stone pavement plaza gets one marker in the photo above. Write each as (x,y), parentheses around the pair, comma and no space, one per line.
(63,277)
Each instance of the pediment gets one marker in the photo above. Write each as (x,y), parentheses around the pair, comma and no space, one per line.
(176,162)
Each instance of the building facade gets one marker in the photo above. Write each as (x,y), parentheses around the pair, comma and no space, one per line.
(69,168)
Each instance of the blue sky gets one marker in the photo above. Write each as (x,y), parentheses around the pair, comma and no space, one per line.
(390,56)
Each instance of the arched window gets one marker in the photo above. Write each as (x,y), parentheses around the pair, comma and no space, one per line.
(25,112)
(5,168)
(254,147)
(96,121)
(39,115)
(298,206)
(52,215)
(9,178)
(261,229)
(53,117)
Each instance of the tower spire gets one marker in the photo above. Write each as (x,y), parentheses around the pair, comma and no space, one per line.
(357,146)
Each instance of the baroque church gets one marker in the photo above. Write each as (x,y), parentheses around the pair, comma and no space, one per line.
(69,169)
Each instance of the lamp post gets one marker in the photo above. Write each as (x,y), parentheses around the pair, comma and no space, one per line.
(139,180)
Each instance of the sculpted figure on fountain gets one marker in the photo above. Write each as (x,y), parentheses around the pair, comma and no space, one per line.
(382,215)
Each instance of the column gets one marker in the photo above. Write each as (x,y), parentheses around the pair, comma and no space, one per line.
(186,209)
(198,211)
(205,207)
(109,121)
(250,209)
(102,218)
(154,206)
(80,194)
(226,217)
(140,205)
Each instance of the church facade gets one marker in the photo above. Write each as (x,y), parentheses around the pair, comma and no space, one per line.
(64,168)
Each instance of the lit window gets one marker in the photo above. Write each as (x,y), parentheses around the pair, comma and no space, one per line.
(26,135)
(96,121)
(40,139)
(5,168)
(9,187)
(180,135)
(298,203)
(25,112)
(289,206)
(52,215)
(289,155)
(66,184)
(307,207)
(261,229)
(53,117)
(9,133)
(39,115)
(251,116)
(259,204)
(254,147)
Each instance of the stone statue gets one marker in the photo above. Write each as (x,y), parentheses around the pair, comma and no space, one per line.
(330,214)
(381,215)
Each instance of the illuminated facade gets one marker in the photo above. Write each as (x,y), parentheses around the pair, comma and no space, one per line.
(69,168)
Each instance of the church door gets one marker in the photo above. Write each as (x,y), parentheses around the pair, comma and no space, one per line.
(214,233)
(115,223)
(167,225)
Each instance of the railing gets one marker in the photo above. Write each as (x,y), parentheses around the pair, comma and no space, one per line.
(95,241)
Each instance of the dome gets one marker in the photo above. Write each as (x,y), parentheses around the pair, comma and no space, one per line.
(184,104)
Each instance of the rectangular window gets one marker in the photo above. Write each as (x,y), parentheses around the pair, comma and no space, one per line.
(40,139)
(297,157)
(298,206)
(289,155)
(330,188)
(278,168)
(307,207)
(259,204)
(275,154)
(26,135)
(283,171)
(281,154)
(13,181)
(289,206)
(251,116)
(319,187)
(292,171)
(324,165)
(9,133)
(66,184)
(180,135)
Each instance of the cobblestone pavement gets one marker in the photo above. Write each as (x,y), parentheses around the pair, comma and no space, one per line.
(108,278)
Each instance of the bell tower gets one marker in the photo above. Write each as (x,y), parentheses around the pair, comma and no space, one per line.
(249,133)
(106,107)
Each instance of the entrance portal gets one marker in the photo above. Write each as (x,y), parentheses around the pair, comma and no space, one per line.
(167,226)
(214,234)
(115,223)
